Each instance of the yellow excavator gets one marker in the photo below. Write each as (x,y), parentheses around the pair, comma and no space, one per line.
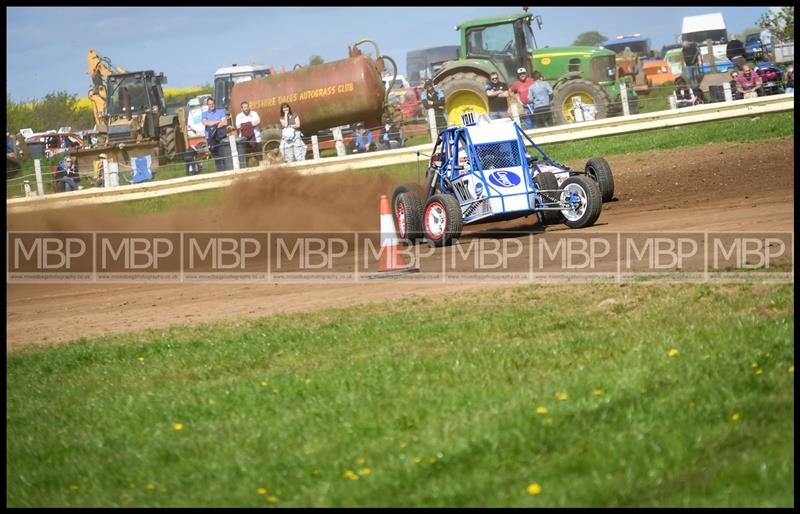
(131,115)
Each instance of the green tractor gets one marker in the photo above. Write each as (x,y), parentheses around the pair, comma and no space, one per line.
(584,79)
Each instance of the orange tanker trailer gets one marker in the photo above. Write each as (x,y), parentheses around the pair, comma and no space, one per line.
(323,96)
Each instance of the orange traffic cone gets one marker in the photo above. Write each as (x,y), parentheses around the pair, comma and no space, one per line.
(392,260)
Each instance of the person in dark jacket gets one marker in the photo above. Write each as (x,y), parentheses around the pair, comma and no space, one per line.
(691,62)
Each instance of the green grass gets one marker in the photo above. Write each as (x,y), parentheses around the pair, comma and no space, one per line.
(439,399)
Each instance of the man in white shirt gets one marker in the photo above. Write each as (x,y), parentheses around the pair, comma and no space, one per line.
(246,116)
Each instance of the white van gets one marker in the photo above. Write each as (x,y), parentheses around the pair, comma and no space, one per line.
(698,29)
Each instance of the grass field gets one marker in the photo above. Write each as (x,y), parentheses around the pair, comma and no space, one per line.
(669,395)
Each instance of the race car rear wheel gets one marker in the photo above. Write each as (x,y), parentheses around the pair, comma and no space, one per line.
(586,201)
(407,215)
(546,180)
(442,220)
(598,169)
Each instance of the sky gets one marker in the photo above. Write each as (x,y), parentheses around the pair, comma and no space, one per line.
(46,46)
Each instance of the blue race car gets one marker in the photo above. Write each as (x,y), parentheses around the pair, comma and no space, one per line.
(481,172)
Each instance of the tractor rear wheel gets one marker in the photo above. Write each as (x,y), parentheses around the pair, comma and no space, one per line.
(166,144)
(463,92)
(588,92)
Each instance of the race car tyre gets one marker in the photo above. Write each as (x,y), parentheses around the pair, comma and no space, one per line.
(598,169)
(588,201)
(408,212)
(442,220)
(464,92)
(589,93)
(546,180)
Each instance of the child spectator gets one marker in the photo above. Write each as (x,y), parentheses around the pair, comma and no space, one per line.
(684,95)
(361,141)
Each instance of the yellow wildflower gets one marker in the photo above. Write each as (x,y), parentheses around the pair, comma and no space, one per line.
(178,426)
(534,489)
(673,352)
(791,369)
(417,460)
(365,471)
(403,444)
(759,371)
(141,359)
(150,487)
(432,460)
(736,416)
(598,392)
(261,490)
(272,499)
(361,461)
(541,410)
(74,487)
(754,365)
(562,397)
(264,383)
(351,475)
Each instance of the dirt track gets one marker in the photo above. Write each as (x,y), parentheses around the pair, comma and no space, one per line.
(719,187)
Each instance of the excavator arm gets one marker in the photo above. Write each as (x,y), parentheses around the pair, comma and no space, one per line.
(100,68)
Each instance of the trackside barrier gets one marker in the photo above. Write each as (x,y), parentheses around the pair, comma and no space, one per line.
(597,128)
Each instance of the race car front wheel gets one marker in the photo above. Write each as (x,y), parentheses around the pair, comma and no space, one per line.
(584,199)
(442,220)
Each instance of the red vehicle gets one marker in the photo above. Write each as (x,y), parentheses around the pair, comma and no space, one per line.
(407,101)
(52,143)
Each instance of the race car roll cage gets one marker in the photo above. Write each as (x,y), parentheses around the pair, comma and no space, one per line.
(440,163)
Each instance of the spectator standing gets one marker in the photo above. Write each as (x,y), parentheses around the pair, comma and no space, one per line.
(433,98)
(691,62)
(542,93)
(790,80)
(67,176)
(361,141)
(390,135)
(735,52)
(215,121)
(99,171)
(10,148)
(521,90)
(748,82)
(292,145)
(497,91)
(247,123)
(766,44)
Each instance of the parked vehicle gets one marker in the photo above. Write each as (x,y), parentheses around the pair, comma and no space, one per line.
(632,52)
(771,78)
(584,79)
(480,172)
(53,143)
(424,63)
(658,72)
(700,30)
(131,115)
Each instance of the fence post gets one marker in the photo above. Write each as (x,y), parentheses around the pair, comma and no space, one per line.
(113,174)
(337,136)
(432,125)
(26,187)
(315,146)
(623,96)
(673,104)
(37,165)
(515,112)
(106,174)
(234,152)
(726,86)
